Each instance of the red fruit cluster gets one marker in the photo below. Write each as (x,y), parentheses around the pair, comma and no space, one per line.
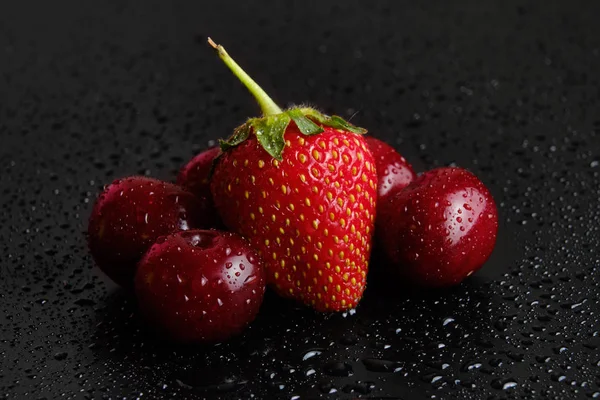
(195,285)
(302,194)
(131,214)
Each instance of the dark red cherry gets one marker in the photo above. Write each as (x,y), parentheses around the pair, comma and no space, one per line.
(130,214)
(394,173)
(440,229)
(200,286)
(195,175)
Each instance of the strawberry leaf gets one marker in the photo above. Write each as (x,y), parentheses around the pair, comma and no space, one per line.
(333,121)
(314,114)
(340,123)
(304,124)
(240,134)
(269,131)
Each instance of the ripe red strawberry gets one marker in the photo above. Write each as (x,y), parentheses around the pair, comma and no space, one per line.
(304,194)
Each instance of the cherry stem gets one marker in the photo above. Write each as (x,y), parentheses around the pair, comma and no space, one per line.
(267,105)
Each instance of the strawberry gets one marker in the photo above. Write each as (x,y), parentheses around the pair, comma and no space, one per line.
(301,186)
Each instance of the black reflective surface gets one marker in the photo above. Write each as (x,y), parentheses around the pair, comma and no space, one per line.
(91,91)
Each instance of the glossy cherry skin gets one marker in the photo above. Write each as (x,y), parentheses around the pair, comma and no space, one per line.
(200,286)
(394,173)
(195,177)
(130,214)
(441,228)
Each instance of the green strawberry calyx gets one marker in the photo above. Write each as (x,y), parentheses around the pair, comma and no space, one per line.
(270,128)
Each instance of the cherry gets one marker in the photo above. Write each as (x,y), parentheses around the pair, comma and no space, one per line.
(440,229)
(394,173)
(130,214)
(194,176)
(200,286)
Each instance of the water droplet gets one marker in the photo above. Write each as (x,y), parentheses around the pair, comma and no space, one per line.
(504,384)
(311,354)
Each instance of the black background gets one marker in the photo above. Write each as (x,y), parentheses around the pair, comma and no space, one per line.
(94,90)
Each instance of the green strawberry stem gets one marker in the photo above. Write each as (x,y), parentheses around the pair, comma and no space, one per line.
(270,129)
(267,104)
